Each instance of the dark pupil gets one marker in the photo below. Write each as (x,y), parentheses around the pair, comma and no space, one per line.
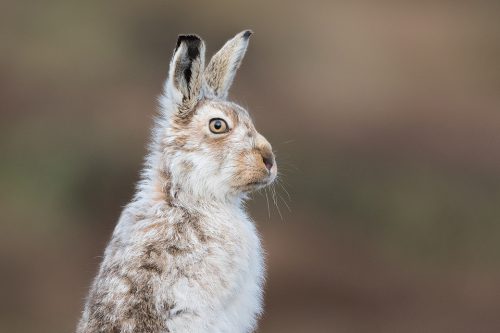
(217,124)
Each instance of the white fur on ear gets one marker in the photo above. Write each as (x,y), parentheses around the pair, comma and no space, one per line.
(185,77)
(221,70)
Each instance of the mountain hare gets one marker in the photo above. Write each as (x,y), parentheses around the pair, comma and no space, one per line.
(185,256)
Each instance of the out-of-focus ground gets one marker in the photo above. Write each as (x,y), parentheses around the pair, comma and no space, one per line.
(386,121)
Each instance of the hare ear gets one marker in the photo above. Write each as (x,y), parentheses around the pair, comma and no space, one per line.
(220,72)
(185,77)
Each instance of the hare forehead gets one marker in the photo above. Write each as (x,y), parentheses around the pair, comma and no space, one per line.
(232,113)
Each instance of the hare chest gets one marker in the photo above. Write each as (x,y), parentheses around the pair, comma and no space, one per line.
(218,286)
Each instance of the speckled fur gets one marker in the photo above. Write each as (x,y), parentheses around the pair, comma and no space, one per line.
(185,256)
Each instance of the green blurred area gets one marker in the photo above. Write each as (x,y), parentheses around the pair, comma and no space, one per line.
(384,117)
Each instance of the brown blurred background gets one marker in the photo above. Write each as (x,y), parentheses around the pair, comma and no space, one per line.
(385,117)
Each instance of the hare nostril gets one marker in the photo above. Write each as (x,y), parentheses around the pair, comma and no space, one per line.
(268,161)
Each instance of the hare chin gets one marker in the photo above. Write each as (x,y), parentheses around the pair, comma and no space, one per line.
(258,184)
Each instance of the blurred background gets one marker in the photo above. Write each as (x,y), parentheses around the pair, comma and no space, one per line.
(385,117)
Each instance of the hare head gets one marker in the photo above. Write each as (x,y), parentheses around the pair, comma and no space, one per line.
(208,146)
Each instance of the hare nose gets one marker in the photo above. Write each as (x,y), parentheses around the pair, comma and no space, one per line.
(265,151)
(268,160)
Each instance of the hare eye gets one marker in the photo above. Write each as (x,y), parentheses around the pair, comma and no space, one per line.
(218,126)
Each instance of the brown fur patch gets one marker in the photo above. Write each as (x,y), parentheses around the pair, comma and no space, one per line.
(175,251)
(151,267)
(143,313)
(162,186)
(153,226)
(187,166)
(185,115)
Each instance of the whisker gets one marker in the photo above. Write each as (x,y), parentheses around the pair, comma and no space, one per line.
(284,189)
(273,191)
(267,201)
(288,207)
(283,181)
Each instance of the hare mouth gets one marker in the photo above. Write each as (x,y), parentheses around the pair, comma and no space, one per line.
(259,183)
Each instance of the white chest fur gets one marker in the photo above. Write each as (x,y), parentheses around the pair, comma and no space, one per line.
(212,272)
(225,287)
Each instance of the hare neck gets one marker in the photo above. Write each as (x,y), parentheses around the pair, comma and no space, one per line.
(159,189)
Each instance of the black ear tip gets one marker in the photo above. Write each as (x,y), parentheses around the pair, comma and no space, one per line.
(191,40)
(247,34)
(189,37)
(193,44)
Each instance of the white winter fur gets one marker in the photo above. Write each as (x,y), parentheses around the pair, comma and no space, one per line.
(185,256)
